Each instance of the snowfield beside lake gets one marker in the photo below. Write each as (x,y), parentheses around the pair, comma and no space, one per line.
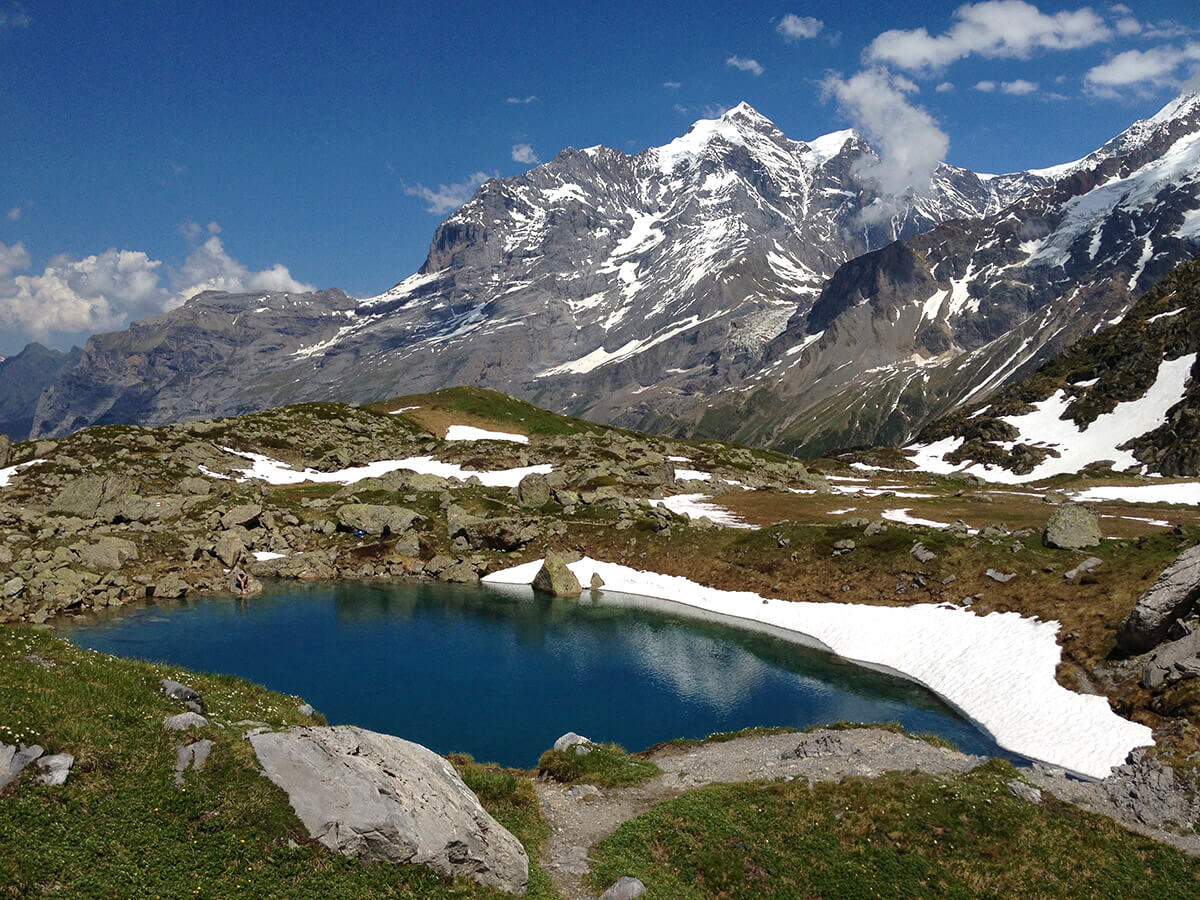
(998,669)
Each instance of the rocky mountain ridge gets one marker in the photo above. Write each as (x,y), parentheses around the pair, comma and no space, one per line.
(668,271)
(904,334)
(733,284)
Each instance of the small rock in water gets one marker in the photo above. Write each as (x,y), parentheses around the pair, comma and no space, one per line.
(184,721)
(624,888)
(555,578)
(597,581)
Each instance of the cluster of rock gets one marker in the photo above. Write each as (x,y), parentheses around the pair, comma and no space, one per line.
(55,767)
(114,515)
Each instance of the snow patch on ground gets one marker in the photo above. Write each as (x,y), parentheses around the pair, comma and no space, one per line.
(267,555)
(905,516)
(692,475)
(272,471)
(697,505)
(7,473)
(1177,492)
(469,433)
(998,669)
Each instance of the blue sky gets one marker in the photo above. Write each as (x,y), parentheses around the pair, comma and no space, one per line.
(153,147)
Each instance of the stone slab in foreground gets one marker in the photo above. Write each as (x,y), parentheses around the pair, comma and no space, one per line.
(375,796)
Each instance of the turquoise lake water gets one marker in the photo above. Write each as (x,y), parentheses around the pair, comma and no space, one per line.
(500,673)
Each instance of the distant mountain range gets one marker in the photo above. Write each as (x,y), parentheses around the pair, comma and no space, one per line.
(733,283)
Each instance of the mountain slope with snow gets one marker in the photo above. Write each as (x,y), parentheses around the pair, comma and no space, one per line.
(592,283)
(905,334)
(1127,398)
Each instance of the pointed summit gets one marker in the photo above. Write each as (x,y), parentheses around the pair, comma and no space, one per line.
(741,126)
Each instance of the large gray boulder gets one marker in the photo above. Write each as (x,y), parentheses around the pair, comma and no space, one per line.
(81,497)
(555,578)
(1072,527)
(1172,596)
(244,514)
(533,491)
(378,797)
(373,519)
(106,555)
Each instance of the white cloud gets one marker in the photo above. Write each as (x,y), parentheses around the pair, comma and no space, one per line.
(448,197)
(794,28)
(1018,88)
(14,214)
(908,139)
(944,88)
(745,65)
(993,28)
(522,100)
(209,268)
(672,85)
(1127,25)
(1140,69)
(105,291)
(523,153)
(73,296)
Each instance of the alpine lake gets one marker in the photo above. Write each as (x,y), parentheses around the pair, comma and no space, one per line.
(500,673)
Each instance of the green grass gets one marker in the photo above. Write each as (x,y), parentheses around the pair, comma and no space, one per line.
(498,408)
(722,737)
(900,835)
(608,765)
(119,827)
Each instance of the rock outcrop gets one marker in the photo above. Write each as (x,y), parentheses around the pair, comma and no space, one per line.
(374,796)
(1171,597)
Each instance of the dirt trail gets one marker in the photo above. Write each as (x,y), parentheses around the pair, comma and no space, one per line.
(576,823)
